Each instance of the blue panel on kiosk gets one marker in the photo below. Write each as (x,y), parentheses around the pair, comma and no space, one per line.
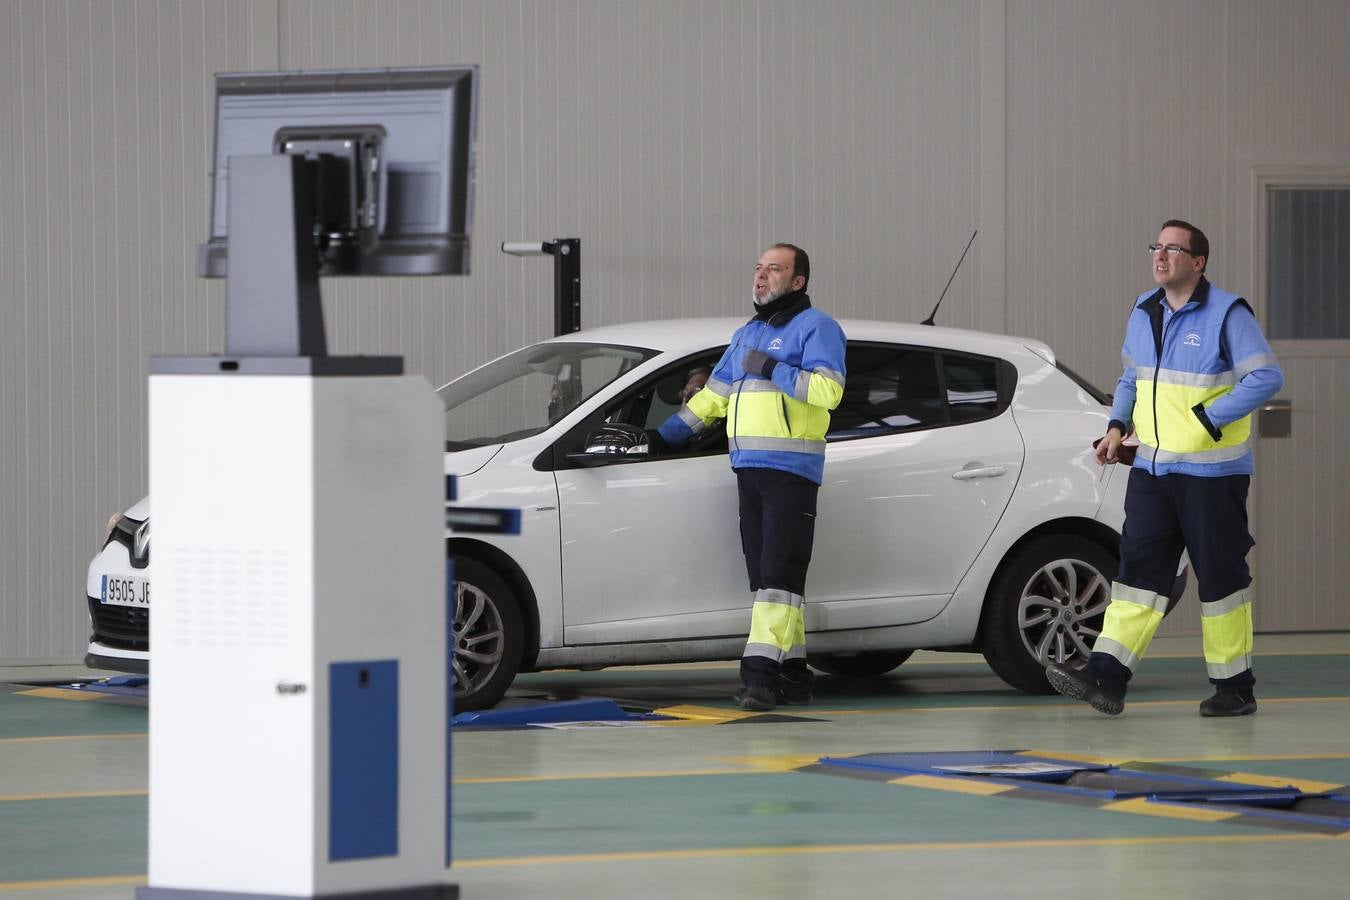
(363,759)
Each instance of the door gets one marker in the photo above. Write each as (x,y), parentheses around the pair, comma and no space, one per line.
(1300,509)
(923,461)
(651,547)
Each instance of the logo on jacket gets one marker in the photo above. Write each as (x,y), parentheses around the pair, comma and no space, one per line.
(776,344)
(1192,340)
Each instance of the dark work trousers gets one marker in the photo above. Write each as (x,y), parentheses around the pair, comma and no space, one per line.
(778,523)
(1165,514)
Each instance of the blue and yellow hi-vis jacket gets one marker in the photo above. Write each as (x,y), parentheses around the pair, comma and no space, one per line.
(1191,381)
(778,422)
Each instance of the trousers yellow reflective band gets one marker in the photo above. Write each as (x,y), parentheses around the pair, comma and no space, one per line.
(1122,591)
(777,626)
(1178,430)
(769,651)
(1130,623)
(1227,628)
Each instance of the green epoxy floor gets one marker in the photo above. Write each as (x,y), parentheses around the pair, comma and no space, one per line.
(701,810)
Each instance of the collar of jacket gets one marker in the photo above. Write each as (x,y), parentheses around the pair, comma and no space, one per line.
(780,311)
(1155,299)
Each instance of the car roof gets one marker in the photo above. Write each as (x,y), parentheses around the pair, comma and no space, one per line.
(691,335)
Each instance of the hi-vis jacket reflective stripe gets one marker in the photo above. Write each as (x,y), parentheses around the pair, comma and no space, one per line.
(778,422)
(1191,381)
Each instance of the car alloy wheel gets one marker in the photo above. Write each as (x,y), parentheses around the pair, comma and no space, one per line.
(478,639)
(1046,606)
(486,634)
(1059,614)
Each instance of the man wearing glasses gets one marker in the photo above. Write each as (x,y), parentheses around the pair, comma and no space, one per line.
(1195,367)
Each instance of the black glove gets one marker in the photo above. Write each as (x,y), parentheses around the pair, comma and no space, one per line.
(757,362)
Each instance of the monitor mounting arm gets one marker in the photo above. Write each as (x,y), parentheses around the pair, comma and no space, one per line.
(272,302)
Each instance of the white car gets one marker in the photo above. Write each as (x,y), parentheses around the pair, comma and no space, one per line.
(961,509)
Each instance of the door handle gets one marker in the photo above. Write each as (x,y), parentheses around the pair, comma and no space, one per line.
(978,470)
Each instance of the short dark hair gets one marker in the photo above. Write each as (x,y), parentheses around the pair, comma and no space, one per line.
(801,263)
(1199,243)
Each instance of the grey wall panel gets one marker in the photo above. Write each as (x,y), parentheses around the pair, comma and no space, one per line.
(677,140)
(106,142)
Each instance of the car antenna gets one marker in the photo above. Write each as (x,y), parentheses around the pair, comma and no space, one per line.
(929,320)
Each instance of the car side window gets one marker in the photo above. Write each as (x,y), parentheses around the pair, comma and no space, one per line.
(888,389)
(892,388)
(971,386)
(649,405)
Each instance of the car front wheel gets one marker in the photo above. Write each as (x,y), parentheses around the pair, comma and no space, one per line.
(1047,607)
(487,636)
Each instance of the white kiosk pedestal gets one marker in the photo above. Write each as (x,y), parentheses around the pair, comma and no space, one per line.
(299,717)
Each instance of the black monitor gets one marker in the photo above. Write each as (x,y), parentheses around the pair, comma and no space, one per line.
(388,154)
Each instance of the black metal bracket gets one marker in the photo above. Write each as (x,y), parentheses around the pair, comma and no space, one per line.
(566,253)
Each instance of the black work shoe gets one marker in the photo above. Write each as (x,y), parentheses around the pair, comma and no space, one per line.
(756,698)
(795,695)
(1229,702)
(1080,684)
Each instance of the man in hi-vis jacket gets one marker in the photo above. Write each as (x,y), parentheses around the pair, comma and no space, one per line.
(1195,367)
(775,385)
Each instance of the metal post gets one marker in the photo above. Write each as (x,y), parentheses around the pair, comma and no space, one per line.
(566,285)
(566,253)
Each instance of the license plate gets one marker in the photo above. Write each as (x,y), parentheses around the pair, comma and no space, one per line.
(125,591)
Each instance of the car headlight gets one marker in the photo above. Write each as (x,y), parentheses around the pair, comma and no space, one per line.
(112,523)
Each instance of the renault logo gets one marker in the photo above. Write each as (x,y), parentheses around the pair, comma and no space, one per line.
(140,543)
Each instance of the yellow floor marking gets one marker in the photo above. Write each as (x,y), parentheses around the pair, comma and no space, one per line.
(820,712)
(921,847)
(954,785)
(73,737)
(585,776)
(704,714)
(800,850)
(51,693)
(72,795)
(1168,810)
(1276,781)
(771,763)
(52,884)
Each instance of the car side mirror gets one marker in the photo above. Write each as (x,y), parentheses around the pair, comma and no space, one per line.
(589,460)
(611,443)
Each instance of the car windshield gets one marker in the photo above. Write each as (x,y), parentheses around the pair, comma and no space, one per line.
(527,391)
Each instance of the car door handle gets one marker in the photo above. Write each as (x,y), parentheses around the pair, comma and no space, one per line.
(976,470)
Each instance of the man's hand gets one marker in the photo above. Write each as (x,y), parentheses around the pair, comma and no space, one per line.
(1107,449)
(757,362)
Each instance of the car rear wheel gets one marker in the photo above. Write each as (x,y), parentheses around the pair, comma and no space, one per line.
(487,635)
(858,665)
(1047,607)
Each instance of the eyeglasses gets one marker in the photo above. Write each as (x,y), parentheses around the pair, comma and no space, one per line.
(1170,249)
